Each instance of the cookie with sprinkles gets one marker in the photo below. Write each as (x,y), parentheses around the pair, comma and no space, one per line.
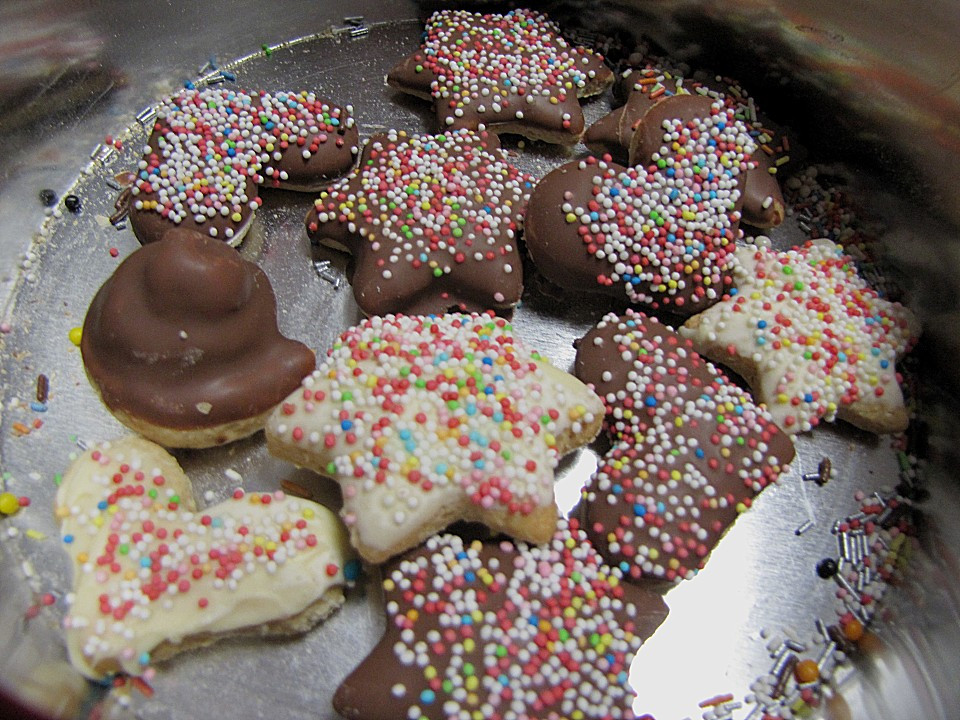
(631,134)
(502,630)
(812,339)
(431,222)
(510,73)
(211,149)
(181,343)
(664,235)
(690,449)
(426,420)
(153,575)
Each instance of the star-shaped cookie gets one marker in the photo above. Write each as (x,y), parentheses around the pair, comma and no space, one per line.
(431,222)
(511,73)
(690,449)
(663,235)
(153,575)
(650,87)
(211,148)
(427,420)
(502,630)
(812,339)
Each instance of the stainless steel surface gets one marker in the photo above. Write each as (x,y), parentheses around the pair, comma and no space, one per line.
(760,578)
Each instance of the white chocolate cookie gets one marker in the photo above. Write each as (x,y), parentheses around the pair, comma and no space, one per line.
(427,420)
(153,575)
(812,339)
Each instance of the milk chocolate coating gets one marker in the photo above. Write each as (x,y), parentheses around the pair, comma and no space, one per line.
(688,420)
(185,325)
(332,153)
(472,285)
(150,226)
(547,117)
(541,116)
(560,254)
(616,134)
(368,692)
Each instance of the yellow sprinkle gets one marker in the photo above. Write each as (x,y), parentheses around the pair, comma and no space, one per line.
(35,535)
(82,557)
(75,335)
(388,585)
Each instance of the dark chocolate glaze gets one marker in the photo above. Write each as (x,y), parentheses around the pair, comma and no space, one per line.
(562,256)
(543,118)
(471,286)
(187,321)
(638,350)
(371,691)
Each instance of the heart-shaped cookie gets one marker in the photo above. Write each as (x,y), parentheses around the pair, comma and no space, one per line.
(153,575)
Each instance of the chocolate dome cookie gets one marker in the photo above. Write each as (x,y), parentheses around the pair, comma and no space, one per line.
(431,222)
(499,630)
(663,236)
(690,449)
(211,148)
(182,345)
(510,73)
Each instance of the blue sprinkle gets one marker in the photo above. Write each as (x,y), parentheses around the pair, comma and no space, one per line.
(145,562)
(427,697)
(216,522)
(38,406)
(469,576)
(639,510)
(144,658)
(808,397)
(351,571)
(68,539)
(346,424)
(466,620)
(189,85)
(650,401)
(884,364)
(102,505)
(762,324)
(617,489)
(699,452)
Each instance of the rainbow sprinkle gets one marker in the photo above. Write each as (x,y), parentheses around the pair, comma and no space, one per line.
(668,232)
(500,630)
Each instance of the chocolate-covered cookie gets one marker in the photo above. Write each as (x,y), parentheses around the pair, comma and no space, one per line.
(511,73)
(182,345)
(662,236)
(690,449)
(431,222)
(763,204)
(211,148)
(499,630)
